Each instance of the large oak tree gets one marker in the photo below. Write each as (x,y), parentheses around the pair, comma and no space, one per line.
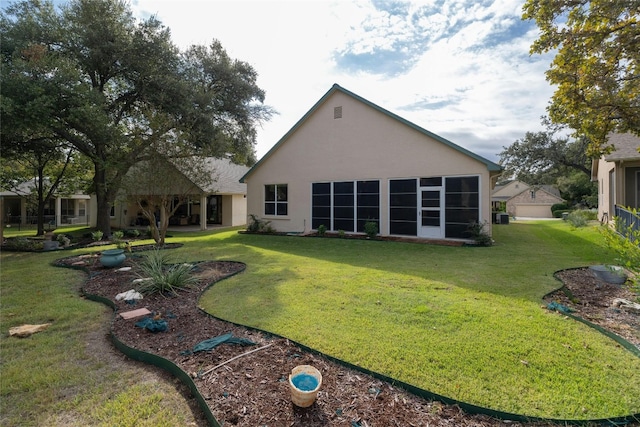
(113,87)
(596,67)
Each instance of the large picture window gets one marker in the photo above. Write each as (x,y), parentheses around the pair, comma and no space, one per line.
(276,199)
(345,205)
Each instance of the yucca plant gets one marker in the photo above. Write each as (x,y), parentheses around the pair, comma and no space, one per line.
(162,276)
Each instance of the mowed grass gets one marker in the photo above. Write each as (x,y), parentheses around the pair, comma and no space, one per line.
(54,377)
(466,323)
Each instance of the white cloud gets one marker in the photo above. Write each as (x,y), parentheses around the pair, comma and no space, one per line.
(459,68)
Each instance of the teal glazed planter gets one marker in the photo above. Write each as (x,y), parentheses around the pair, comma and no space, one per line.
(112,257)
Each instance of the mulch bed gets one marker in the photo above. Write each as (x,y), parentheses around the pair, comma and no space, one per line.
(253,390)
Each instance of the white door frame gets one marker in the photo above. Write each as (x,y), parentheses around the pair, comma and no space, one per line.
(433,206)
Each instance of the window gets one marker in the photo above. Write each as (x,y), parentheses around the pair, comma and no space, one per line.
(276,199)
(345,205)
(82,208)
(67,207)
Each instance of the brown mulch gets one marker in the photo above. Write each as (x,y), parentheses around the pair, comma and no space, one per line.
(253,390)
(591,299)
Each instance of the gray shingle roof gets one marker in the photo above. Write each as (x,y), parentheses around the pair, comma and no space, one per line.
(228,176)
(626,147)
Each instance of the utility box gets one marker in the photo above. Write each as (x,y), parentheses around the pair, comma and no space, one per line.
(503,218)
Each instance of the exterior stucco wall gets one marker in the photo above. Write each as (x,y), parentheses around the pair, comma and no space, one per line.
(234,210)
(365,144)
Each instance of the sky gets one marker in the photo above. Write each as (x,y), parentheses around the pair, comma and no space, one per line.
(458,68)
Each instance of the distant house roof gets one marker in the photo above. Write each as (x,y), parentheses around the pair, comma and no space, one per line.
(626,147)
(24,189)
(228,176)
(491,166)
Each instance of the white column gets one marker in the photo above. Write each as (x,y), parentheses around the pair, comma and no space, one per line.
(58,211)
(203,212)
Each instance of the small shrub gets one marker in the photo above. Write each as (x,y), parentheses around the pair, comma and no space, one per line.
(23,244)
(63,239)
(256,225)
(133,233)
(371,229)
(626,248)
(341,234)
(117,237)
(97,235)
(580,218)
(479,235)
(322,230)
(163,277)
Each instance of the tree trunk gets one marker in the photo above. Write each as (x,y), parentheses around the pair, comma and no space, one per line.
(41,202)
(104,204)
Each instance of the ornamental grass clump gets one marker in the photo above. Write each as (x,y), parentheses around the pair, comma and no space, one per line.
(161,276)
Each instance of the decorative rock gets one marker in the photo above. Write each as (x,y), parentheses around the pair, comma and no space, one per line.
(24,331)
(627,305)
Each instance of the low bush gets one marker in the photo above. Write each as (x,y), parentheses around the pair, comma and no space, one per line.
(322,230)
(257,225)
(162,276)
(479,235)
(581,218)
(371,229)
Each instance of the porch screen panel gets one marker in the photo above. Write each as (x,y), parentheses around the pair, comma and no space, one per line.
(462,205)
(321,205)
(368,202)
(403,207)
(343,206)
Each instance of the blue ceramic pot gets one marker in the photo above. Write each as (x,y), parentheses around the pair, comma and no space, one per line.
(112,257)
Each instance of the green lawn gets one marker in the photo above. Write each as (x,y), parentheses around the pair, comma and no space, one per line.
(462,322)
(55,377)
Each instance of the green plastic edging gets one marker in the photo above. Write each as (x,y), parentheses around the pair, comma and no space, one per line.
(624,343)
(467,407)
(150,358)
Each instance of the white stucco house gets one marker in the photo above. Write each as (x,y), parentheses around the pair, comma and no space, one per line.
(348,161)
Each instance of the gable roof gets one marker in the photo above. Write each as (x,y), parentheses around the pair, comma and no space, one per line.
(226,176)
(491,166)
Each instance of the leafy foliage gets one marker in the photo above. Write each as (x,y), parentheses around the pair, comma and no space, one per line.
(371,229)
(542,158)
(114,88)
(596,65)
(479,235)
(626,247)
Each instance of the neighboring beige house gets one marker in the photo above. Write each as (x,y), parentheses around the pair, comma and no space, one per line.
(59,210)
(618,176)
(348,161)
(525,201)
(224,202)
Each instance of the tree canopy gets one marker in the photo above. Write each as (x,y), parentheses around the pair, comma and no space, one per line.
(596,67)
(542,158)
(114,87)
